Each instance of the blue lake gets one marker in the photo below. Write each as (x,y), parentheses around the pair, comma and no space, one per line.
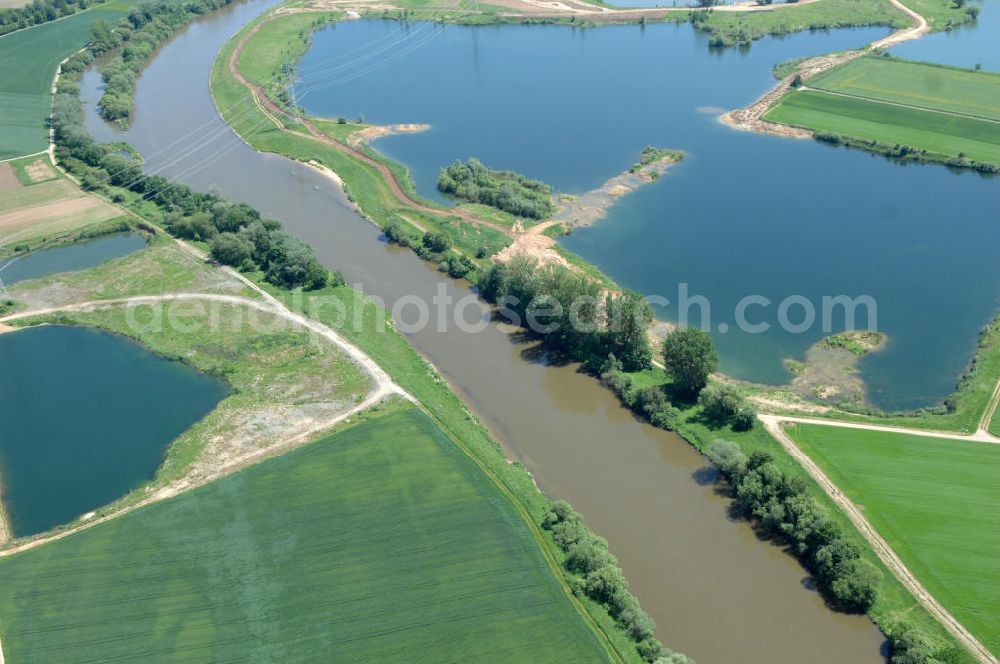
(87,417)
(965,46)
(70,257)
(744,215)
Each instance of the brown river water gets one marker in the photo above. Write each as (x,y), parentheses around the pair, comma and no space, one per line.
(716,592)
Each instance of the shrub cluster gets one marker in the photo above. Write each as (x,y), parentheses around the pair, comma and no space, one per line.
(783,511)
(433,246)
(570,312)
(140,33)
(908,645)
(39,11)
(596,574)
(236,233)
(504,190)
(725,404)
(651,402)
(906,153)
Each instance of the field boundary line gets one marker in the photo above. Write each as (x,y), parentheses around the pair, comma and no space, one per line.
(882,548)
(887,102)
(536,533)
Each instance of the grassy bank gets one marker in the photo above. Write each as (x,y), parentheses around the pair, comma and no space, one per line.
(372,544)
(934,500)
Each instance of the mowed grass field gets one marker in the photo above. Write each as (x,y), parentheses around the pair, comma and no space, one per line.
(951,112)
(28,62)
(963,91)
(379,543)
(876,121)
(937,503)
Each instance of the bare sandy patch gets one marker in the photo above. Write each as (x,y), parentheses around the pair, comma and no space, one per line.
(8,178)
(6,328)
(369,134)
(39,171)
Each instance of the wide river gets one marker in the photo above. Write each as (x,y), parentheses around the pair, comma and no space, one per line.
(715,591)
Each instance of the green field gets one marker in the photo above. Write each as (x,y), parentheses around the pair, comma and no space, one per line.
(963,91)
(379,543)
(942,133)
(936,502)
(28,62)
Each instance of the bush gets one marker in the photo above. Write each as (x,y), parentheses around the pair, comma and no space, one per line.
(232,249)
(745,418)
(784,511)
(721,401)
(503,190)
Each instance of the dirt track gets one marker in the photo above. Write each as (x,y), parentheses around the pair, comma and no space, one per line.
(885,552)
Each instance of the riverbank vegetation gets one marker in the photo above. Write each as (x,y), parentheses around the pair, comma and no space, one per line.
(236,233)
(427,551)
(137,36)
(883,105)
(594,573)
(505,190)
(774,493)
(934,501)
(569,313)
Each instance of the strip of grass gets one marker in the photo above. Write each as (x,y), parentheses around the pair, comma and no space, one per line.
(376,543)
(963,91)
(935,501)
(940,133)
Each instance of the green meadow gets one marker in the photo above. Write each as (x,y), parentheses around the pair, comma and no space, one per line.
(934,87)
(935,501)
(26,82)
(382,542)
(937,132)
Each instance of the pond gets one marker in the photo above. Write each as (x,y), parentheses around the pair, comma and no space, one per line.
(69,258)
(87,417)
(744,216)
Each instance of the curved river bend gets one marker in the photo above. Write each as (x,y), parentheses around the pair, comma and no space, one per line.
(715,591)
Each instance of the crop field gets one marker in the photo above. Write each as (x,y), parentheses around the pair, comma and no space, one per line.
(963,91)
(26,82)
(933,131)
(50,207)
(935,501)
(382,542)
